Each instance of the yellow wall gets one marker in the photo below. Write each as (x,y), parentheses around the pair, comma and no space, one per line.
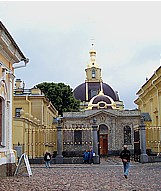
(34,129)
(149,101)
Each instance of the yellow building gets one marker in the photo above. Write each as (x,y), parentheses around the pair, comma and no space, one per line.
(149,101)
(34,130)
(11,57)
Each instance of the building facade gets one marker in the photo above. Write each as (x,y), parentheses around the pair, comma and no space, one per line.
(102,123)
(149,102)
(114,129)
(34,130)
(10,55)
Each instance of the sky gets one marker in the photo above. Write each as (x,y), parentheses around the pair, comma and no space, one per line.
(56,36)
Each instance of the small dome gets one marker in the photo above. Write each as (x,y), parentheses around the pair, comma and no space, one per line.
(101,101)
(92,51)
(101,98)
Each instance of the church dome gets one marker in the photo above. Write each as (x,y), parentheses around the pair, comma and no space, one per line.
(93,89)
(94,86)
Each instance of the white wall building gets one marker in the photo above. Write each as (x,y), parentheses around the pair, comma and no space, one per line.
(11,58)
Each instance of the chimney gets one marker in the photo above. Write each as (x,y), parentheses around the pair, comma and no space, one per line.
(18,83)
(19,88)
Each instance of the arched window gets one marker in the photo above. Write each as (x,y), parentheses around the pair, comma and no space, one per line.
(93,73)
(127,135)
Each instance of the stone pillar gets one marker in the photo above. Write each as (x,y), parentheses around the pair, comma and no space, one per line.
(96,158)
(33,143)
(59,157)
(143,156)
(10,153)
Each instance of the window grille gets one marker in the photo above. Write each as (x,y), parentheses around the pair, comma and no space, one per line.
(127,135)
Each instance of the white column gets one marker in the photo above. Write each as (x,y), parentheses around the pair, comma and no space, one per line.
(11,155)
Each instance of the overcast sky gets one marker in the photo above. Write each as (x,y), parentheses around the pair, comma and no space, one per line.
(56,37)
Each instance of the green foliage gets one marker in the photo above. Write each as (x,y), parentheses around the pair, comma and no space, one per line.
(60,95)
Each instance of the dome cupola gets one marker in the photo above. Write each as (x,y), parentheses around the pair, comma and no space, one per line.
(94,93)
(101,101)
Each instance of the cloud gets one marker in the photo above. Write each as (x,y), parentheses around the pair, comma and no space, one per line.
(55,35)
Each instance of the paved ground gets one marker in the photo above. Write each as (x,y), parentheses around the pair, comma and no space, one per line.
(107,176)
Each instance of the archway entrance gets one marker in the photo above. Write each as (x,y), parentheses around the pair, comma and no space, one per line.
(103,140)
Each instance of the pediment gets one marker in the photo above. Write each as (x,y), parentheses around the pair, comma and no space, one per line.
(99,113)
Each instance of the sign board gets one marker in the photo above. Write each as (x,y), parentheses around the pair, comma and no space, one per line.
(23,162)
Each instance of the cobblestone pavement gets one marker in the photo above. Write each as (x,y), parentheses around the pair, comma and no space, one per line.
(107,176)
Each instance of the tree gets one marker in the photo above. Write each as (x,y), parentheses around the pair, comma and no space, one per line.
(60,95)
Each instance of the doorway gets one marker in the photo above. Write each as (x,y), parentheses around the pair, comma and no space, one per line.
(103,140)
(104,144)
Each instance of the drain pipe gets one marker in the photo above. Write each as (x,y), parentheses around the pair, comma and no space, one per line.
(16,65)
(27,99)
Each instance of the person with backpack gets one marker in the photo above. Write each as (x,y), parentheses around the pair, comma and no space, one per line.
(47,159)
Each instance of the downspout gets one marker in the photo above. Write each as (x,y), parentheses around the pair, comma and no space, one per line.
(16,65)
(29,138)
(157,97)
(29,104)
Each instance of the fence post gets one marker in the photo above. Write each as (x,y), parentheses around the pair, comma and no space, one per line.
(59,157)
(143,156)
(96,158)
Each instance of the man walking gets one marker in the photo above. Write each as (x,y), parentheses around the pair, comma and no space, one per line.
(125,156)
(47,159)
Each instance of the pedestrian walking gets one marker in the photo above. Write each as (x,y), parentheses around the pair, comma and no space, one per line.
(47,159)
(86,157)
(125,156)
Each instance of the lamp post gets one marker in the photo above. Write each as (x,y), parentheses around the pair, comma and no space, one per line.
(59,157)
(143,156)
(96,158)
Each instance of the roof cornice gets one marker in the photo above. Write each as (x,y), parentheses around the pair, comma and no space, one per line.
(7,39)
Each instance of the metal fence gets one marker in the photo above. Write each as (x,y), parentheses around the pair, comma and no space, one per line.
(153,139)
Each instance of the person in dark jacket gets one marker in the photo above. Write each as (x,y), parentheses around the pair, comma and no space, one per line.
(86,157)
(125,156)
(47,159)
(91,154)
